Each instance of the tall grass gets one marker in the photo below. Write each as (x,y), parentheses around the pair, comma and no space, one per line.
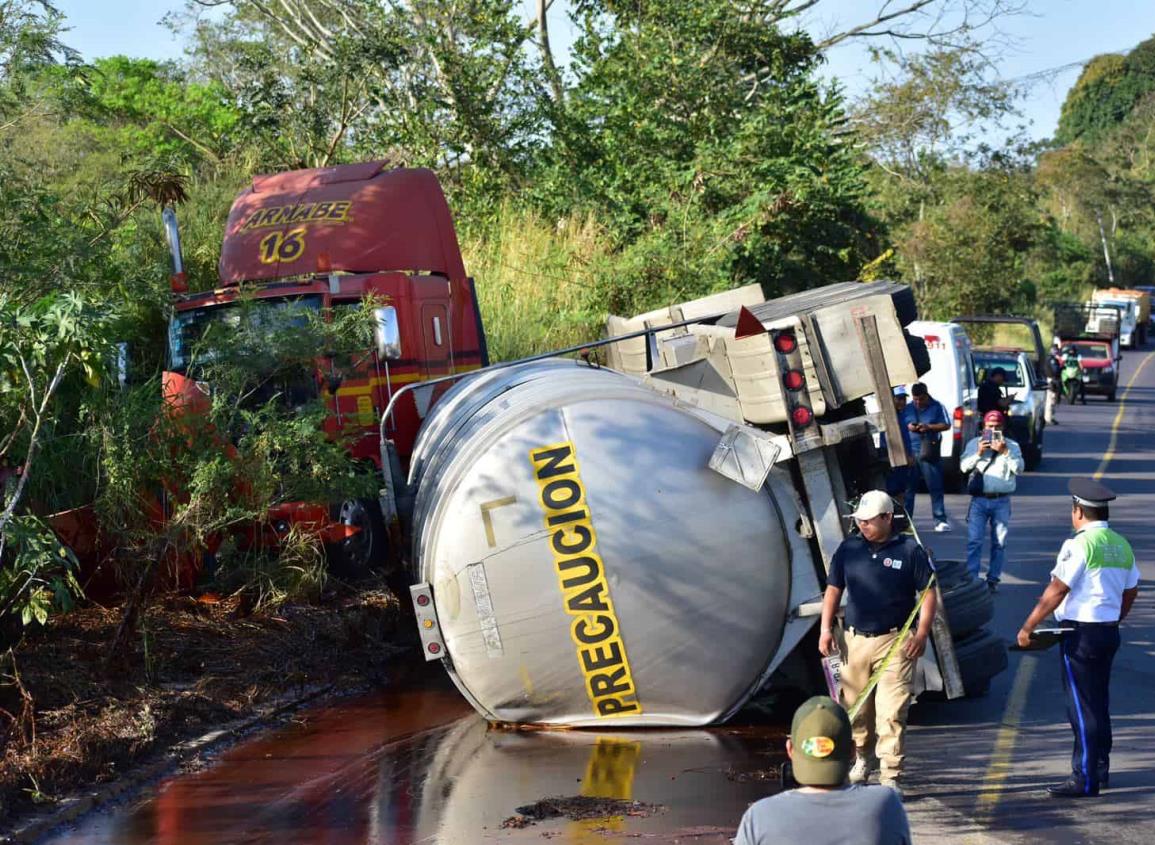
(537,283)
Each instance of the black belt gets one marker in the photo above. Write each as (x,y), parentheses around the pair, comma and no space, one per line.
(1091,624)
(859,633)
(991,495)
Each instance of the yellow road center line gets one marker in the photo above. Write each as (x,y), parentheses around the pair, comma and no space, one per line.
(1110,453)
(1000,764)
(999,767)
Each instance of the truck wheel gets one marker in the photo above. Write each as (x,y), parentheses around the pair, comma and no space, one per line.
(968,606)
(980,657)
(358,554)
(951,573)
(1111,396)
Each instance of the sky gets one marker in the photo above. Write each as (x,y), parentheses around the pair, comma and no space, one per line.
(1053,34)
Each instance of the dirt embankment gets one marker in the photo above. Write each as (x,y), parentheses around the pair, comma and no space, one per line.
(73,719)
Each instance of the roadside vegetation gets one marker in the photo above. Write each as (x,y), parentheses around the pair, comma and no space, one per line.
(676,149)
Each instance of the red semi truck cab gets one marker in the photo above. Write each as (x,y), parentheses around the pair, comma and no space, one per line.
(329,238)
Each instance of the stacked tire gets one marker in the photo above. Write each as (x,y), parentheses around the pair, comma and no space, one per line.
(969,608)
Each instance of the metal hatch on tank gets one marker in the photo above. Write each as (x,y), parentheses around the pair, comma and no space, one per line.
(585,562)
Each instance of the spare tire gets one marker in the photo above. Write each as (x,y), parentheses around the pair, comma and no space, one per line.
(980,657)
(968,605)
(951,572)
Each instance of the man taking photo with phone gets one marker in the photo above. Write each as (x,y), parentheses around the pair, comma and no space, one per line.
(994,462)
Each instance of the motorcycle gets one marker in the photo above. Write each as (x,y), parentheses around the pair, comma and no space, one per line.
(1073,383)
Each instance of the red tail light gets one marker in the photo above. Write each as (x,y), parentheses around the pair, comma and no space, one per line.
(785,343)
(801,417)
(958,421)
(794,380)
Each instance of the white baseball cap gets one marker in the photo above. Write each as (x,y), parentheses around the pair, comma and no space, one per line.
(873,503)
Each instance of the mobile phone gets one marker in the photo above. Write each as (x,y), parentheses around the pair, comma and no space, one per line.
(987,435)
(996,437)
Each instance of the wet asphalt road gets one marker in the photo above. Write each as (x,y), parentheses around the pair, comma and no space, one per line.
(413,765)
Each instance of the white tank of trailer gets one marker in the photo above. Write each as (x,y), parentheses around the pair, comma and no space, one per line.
(587,567)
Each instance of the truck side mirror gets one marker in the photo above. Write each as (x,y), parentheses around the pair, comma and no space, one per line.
(387,333)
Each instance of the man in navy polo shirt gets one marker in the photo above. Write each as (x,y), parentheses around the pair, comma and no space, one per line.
(883,573)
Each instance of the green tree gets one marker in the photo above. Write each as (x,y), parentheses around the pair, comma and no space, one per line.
(42,344)
(971,247)
(1107,90)
(444,85)
(697,132)
(963,216)
(152,110)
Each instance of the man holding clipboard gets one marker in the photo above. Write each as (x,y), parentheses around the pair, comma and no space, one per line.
(1093,587)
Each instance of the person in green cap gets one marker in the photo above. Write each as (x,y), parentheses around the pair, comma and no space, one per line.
(826,809)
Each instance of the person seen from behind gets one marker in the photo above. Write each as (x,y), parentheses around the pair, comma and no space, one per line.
(996,462)
(992,396)
(826,809)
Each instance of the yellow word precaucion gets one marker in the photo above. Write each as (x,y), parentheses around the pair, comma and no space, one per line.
(595,631)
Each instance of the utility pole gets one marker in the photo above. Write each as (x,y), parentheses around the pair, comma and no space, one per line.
(1106,253)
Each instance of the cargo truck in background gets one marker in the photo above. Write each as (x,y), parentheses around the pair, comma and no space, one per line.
(1088,321)
(641,538)
(1135,308)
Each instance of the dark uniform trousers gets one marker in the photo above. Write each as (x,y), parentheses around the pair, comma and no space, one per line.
(1087,654)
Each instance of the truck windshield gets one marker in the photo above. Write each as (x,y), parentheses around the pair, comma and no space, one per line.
(1126,305)
(191,333)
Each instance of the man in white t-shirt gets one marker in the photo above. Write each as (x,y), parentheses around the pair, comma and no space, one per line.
(1093,586)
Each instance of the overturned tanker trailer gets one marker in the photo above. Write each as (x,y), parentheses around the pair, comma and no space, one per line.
(647,542)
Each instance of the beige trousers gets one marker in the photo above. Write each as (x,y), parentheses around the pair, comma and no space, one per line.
(886,710)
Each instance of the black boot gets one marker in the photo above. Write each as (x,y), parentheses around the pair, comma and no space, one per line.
(1072,787)
(1104,775)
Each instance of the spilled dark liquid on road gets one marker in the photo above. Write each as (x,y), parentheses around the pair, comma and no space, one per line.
(415,765)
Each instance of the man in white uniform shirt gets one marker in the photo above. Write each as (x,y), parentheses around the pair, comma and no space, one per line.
(1093,586)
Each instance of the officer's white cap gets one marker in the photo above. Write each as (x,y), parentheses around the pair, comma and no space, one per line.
(873,503)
